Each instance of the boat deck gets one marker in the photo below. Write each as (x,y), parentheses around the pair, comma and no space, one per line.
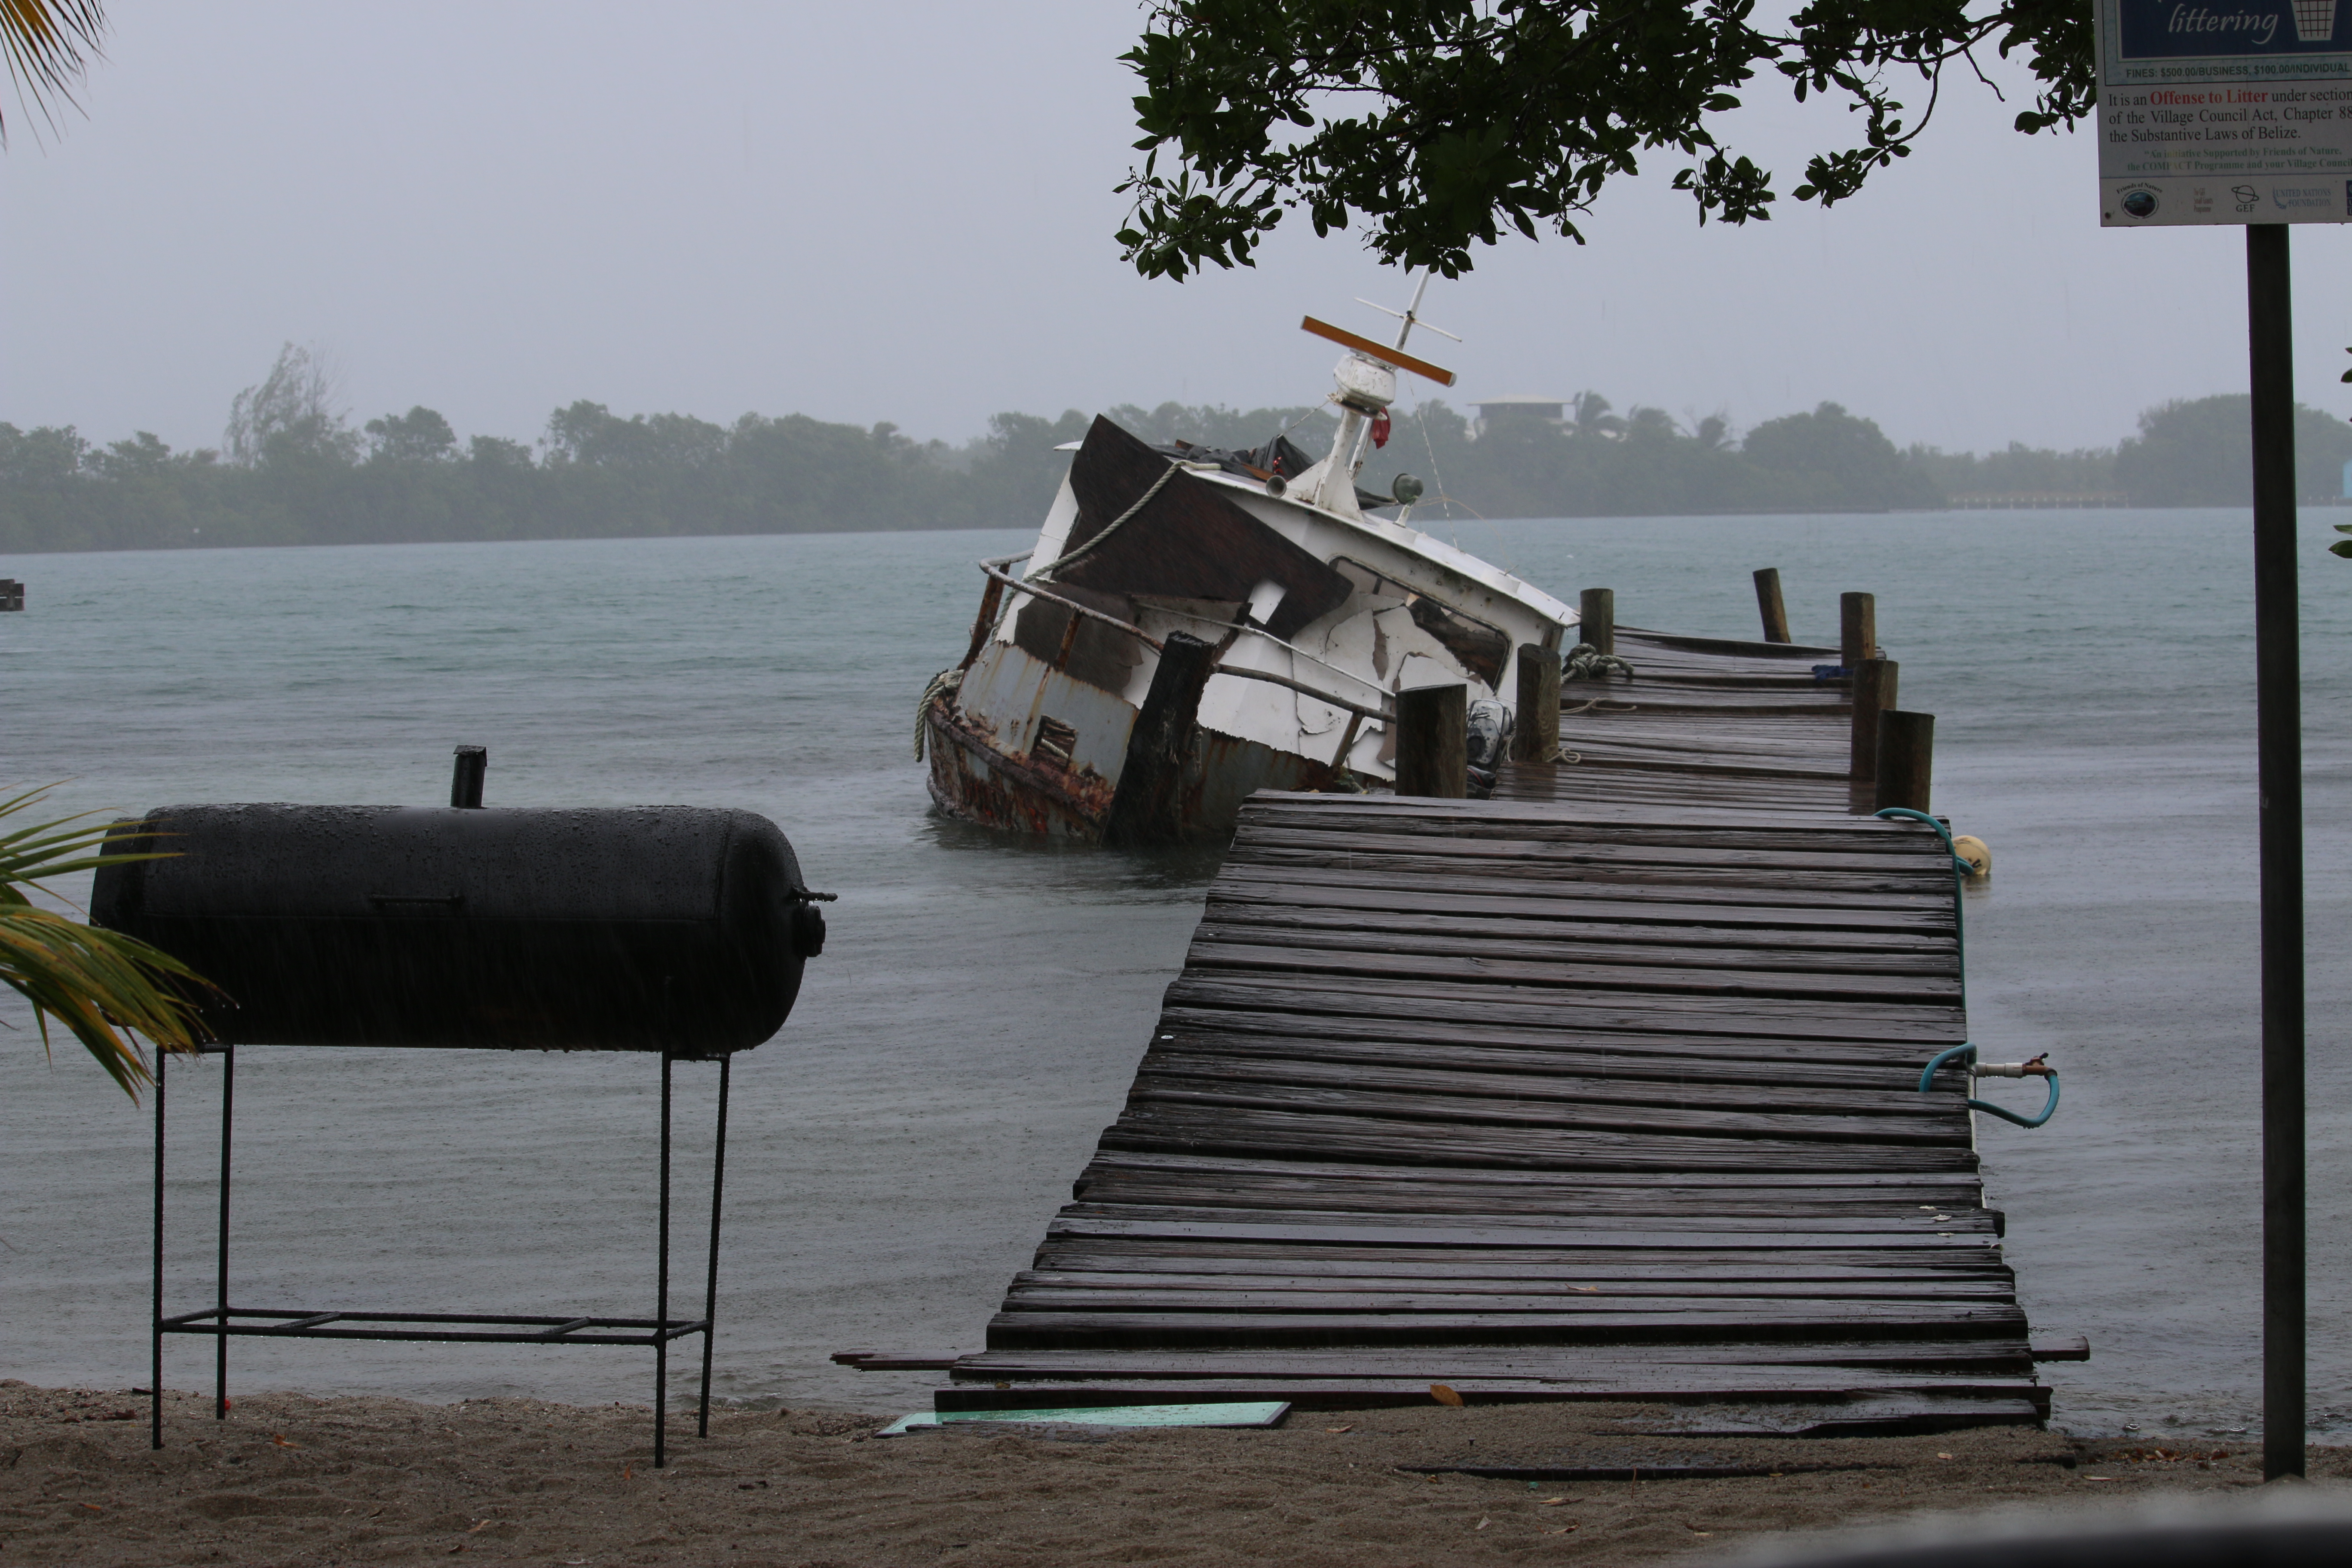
(1603,1089)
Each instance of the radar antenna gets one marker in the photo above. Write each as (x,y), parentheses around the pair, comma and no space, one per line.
(1411,314)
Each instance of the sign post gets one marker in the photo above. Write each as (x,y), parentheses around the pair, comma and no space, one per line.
(2239,112)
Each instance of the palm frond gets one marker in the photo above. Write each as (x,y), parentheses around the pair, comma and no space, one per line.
(49,45)
(104,987)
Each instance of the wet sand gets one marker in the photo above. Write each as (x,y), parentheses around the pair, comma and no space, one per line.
(291,1480)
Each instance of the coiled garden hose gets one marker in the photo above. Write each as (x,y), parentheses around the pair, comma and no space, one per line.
(2038,1067)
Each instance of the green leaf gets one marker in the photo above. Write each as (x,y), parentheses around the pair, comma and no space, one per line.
(1439,124)
(105,988)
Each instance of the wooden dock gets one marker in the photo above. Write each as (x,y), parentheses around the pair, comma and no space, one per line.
(1603,1089)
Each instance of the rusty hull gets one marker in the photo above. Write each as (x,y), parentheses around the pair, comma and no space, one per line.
(971,779)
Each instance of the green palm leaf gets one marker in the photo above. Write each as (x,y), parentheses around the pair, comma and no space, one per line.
(105,988)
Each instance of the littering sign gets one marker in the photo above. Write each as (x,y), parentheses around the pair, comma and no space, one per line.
(2212,112)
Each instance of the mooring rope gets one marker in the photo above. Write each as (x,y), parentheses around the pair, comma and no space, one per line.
(1585,662)
(945,682)
(1095,542)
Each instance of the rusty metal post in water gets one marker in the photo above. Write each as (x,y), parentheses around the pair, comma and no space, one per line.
(1433,752)
(1534,732)
(1769,605)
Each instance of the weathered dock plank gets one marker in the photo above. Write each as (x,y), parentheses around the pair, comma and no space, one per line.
(1604,1088)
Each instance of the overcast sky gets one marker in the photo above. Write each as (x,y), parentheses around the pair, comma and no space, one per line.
(903,211)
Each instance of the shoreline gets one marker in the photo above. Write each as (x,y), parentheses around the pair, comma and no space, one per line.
(292,1477)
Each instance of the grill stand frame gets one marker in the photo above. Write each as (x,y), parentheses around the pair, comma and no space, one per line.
(221,1320)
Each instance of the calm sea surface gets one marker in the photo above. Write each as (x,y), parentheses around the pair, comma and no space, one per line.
(976,1018)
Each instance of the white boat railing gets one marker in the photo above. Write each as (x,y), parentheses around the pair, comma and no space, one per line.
(995,571)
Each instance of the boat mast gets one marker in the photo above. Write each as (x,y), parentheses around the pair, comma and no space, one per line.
(1367,378)
(1409,318)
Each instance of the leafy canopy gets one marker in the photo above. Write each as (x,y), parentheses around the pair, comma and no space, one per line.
(1443,121)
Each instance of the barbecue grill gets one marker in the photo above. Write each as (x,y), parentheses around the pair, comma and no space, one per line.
(675,931)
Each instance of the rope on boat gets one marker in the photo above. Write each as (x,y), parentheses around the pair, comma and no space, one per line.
(944,684)
(1095,542)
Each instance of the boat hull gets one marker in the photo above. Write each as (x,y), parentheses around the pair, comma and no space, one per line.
(975,781)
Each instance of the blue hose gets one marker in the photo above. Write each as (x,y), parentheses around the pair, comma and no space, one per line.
(1927,1077)
(1960,870)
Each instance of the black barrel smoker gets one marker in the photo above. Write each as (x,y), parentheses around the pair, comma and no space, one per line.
(675,931)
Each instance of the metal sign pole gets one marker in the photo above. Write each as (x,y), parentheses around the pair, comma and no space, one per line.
(2278,684)
(2205,124)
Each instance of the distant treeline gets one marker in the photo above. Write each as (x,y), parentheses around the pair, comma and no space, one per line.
(292,470)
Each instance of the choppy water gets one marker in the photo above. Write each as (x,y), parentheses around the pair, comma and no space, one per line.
(978,1014)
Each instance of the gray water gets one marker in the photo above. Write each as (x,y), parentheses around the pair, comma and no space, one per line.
(976,1018)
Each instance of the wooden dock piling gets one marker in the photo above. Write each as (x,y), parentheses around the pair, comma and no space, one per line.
(1535,733)
(1143,810)
(1769,605)
(1432,754)
(1873,693)
(1596,618)
(1857,629)
(1906,758)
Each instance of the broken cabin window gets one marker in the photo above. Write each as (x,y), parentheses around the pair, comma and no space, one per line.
(1482,650)
(1055,741)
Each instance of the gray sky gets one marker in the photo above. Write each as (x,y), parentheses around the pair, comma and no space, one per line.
(902,211)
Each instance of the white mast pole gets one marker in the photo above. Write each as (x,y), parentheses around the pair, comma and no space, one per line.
(1411,316)
(1412,311)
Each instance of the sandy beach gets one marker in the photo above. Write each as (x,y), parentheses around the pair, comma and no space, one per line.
(293,1479)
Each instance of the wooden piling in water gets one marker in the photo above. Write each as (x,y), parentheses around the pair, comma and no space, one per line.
(1857,629)
(1433,752)
(1597,618)
(1143,810)
(1906,756)
(1535,732)
(1769,605)
(1873,693)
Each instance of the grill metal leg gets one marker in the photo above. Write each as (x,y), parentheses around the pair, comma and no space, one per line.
(711,1285)
(661,1289)
(155,1350)
(220,1344)
(660,1336)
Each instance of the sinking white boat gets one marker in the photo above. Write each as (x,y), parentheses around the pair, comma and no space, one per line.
(1194,625)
